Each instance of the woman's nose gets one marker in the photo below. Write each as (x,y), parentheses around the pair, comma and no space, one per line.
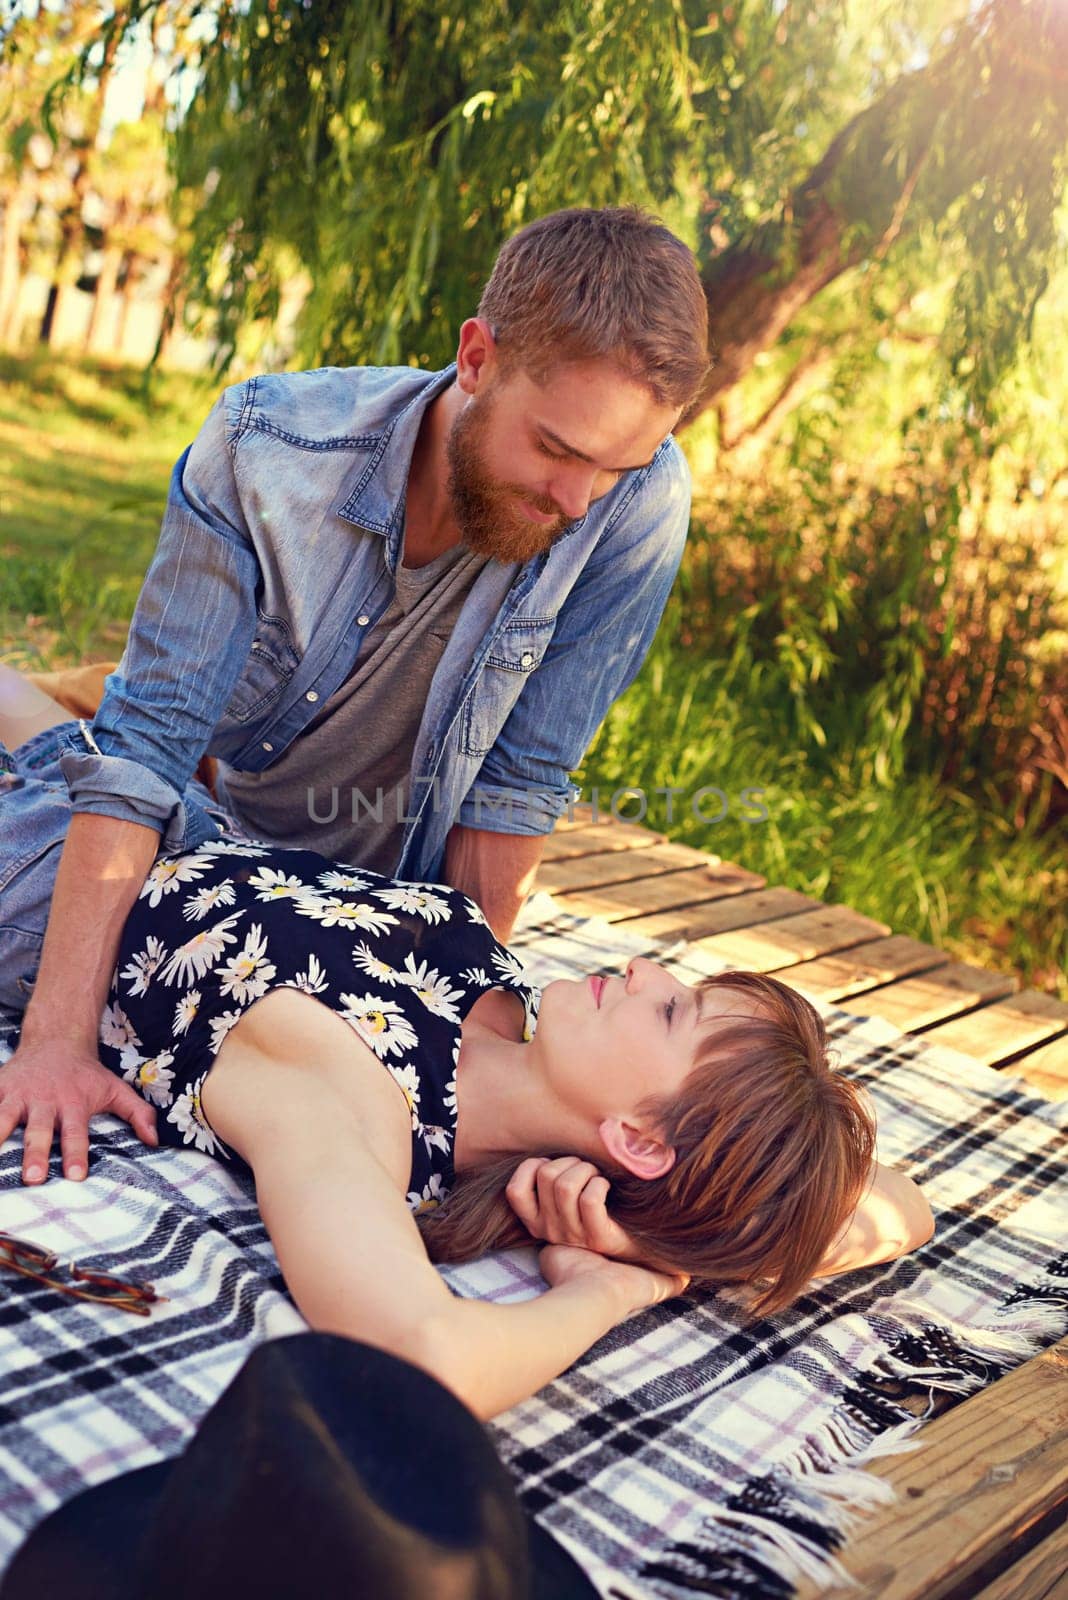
(639,970)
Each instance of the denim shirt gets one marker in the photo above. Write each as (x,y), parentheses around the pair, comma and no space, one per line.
(283,528)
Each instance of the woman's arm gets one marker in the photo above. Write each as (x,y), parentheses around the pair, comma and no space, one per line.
(892,1218)
(331,1195)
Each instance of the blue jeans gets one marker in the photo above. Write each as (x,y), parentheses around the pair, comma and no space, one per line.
(35,812)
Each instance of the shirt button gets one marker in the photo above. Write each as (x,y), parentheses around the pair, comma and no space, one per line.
(526,659)
(363,620)
(267,745)
(311,695)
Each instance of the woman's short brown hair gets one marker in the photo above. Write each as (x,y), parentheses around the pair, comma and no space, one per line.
(612,284)
(773,1152)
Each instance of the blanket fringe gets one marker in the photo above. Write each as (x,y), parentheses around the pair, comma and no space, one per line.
(787,1525)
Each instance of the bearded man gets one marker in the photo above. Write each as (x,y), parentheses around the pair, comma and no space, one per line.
(393,605)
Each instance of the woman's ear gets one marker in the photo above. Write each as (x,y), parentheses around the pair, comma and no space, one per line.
(636,1149)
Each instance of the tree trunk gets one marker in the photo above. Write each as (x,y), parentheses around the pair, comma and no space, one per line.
(72,227)
(17,212)
(105,289)
(852,204)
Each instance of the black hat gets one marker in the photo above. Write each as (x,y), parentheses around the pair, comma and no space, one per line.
(327,1469)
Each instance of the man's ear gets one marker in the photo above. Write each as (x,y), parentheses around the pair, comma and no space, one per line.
(476,354)
(636,1149)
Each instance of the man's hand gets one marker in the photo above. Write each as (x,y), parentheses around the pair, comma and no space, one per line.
(48,1083)
(563,1202)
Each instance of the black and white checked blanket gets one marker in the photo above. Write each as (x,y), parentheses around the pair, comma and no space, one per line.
(684,1454)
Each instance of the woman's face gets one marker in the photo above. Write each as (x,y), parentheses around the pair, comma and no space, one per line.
(608,1044)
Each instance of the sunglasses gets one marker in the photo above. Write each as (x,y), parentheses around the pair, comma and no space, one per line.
(30,1261)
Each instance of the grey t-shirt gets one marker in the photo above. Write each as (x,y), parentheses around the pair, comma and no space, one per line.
(342,787)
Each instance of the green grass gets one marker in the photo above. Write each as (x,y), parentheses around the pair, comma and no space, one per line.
(85,455)
(926,859)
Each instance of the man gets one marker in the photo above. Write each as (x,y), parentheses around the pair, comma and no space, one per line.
(394,605)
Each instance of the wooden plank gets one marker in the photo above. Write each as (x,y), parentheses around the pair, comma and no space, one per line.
(931,997)
(717,916)
(619,866)
(862,966)
(986,1471)
(786,940)
(1006,1027)
(1042,1574)
(1045,1069)
(602,836)
(644,896)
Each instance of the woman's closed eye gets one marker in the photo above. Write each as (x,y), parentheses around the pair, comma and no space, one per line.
(669,1009)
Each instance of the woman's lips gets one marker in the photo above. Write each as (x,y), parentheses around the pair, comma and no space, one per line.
(597,985)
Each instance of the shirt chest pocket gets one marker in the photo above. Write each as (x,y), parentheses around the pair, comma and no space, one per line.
(271,663)
(515,654)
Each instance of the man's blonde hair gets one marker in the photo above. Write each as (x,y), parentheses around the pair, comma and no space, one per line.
(611,284)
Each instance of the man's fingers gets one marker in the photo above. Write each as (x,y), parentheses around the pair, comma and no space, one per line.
(37,1143)
(74,1141)
(124,1102)
(12,1111)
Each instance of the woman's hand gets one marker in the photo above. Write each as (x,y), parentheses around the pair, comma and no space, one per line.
(563,1202)
(640,1287)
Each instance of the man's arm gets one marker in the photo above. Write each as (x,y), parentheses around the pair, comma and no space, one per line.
(601,637)
(189,639)
(55,1076)
(495,869)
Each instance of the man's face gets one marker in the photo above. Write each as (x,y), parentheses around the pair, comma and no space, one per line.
(526,460)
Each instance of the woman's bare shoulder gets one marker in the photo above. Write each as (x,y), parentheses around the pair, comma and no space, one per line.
(291,1056)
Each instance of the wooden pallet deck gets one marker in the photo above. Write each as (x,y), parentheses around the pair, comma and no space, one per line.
(627,874)
(982,1503)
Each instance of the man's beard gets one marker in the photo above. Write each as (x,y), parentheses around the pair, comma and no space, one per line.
(486,512)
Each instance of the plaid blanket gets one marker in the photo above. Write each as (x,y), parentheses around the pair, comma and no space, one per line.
(684,1454)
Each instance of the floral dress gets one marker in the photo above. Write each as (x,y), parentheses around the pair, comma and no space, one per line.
(213,931)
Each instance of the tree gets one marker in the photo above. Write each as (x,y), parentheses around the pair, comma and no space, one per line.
(787,142)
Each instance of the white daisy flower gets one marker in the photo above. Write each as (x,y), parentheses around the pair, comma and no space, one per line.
(448,1095)
(188,1117)
(220,1026)
(474,911)
(381,1023)
(531,1006)
(272,884)
(478,976)
(152,1075)
(244,977)
(507,964)
(342,880)
(144,965)
(231,847)
(436,1138)
(200,953)
(333,912)
(434,991)
(407,1080)
(313,981)
(413,899)
(375,967)
(204,900)
(185,1011)
(433,1194)
(116,1029)
(167,876)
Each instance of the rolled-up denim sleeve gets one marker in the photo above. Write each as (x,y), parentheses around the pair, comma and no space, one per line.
(190,635)
(602,636)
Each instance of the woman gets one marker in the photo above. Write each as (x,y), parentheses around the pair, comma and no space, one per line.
(369,1050)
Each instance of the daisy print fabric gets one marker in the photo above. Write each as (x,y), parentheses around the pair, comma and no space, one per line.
(215,930)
